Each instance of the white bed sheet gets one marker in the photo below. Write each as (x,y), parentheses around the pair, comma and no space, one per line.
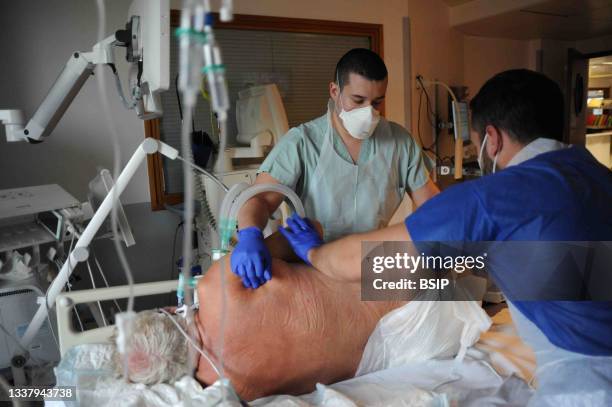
(495,372)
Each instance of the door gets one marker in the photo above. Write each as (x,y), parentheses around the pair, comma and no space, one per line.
(576,92)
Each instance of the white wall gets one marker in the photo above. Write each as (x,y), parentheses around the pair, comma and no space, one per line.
(37,39)
(437,53)
(485,57)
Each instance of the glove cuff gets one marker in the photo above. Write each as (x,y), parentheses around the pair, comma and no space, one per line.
(251,231)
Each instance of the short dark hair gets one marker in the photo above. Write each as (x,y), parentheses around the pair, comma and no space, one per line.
(363,62)
(524,103)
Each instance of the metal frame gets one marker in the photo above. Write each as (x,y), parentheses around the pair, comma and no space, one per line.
(80,252)
(69,337)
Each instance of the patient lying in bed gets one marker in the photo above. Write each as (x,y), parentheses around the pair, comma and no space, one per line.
(298,329)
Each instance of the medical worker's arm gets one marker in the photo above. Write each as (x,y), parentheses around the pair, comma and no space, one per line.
(257,210)
(421,195)
(251,259)
(341,259)
(414,168)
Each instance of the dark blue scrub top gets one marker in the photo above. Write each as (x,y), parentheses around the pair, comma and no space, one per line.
(563,195)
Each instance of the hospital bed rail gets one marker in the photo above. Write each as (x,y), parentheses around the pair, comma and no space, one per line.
(69,337)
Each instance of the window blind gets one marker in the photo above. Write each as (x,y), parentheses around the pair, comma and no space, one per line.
(300,64)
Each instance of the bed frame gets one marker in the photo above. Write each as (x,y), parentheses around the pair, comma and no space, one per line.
(69,337)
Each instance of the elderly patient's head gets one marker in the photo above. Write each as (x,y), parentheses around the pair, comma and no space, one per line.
(157,351)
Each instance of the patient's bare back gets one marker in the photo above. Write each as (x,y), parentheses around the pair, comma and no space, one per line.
(298,329)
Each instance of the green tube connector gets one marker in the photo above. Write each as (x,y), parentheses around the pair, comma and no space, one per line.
(180,293)
(218,253)
(213,68)
(227,227)
(198,35)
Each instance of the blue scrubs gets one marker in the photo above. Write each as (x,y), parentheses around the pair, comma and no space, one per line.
(562,195)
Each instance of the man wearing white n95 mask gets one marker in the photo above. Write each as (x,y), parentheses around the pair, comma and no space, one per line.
(350,167)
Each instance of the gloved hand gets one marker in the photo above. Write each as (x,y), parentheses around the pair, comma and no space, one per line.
(302,236)
(251,259)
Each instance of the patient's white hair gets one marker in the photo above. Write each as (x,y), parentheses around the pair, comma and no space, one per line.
(157,351)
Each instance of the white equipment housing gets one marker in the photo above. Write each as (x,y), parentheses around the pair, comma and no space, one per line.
(154,50)
(21,210)
(261,120)
(18,302)
(32,200)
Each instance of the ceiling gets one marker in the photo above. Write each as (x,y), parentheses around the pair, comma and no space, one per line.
(452,3)
(569,20)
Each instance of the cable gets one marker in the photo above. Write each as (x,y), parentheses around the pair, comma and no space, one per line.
(93,285)
(59,265)
(429,114)
(178,97)
(188,204)
(116,168)
(55,339)
(172,261)
(68,286)
(204,205)
(207,173)
(206,97)
(191,342)
(77,312)
(132,104)
(10,335)
(103,276)
(24,350)
(223,138)
(116,160)
(178,101)
(7,388)
(419,119)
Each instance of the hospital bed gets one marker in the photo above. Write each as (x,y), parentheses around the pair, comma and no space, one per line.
(495,371)
(70,337)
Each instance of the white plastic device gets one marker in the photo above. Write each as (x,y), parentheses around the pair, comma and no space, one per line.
(261,120)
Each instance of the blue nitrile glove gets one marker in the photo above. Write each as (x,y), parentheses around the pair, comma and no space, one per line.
(302,236)
(251,259)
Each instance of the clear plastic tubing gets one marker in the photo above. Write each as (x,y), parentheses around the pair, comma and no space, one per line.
(258,189)
(237,197)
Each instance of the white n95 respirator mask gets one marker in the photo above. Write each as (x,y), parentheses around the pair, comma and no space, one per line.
(360,123)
